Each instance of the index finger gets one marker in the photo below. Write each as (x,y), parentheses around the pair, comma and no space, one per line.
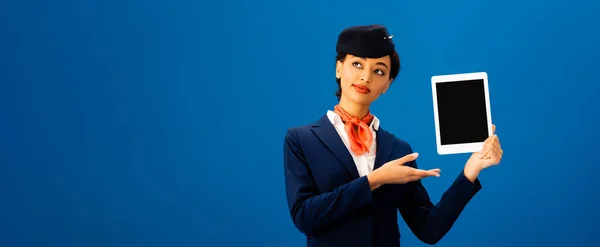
(424,173)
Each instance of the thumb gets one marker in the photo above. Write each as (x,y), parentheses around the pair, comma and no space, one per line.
(407,158)
(493,129)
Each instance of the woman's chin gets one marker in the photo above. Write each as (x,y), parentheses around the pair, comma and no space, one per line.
(361,99)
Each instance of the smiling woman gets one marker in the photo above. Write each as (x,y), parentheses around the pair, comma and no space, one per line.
(370,77)
(385,68)
(346,178)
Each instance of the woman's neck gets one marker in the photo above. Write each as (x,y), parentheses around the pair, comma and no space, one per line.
(356,110)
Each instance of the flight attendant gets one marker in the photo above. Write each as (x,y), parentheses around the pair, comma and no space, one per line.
(346,178)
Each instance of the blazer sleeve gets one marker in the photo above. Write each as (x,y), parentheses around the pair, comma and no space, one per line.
(431,222)
(310,210)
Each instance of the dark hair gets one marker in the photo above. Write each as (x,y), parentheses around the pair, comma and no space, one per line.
(394,58)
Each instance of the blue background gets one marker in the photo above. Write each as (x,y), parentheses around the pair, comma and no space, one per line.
(161,123)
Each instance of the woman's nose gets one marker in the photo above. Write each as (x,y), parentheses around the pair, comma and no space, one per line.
(366,77)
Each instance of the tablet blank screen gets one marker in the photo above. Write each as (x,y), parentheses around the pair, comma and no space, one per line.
(462,112)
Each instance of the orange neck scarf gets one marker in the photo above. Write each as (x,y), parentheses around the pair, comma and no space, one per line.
(358,131)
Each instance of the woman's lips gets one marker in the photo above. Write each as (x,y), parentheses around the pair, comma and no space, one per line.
(361,89)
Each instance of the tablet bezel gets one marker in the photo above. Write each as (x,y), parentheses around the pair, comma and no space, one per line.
(463,147)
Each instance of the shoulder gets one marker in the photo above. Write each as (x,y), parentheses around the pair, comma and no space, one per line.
(401,143)
(303,129)
(400,147)
(295,133)
(397,141)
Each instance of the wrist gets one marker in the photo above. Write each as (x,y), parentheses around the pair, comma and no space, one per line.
(472,171)
(374,180)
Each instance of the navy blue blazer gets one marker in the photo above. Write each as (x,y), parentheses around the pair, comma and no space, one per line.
(333,206)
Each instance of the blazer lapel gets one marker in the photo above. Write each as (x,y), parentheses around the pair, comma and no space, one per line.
(385,144)
(329,136)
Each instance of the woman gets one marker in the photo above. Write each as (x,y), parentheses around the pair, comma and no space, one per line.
(346,178)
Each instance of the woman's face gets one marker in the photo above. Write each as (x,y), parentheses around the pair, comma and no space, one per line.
(363,79)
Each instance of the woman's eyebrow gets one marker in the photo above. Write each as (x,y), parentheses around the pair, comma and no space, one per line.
(383,64)
(379,63)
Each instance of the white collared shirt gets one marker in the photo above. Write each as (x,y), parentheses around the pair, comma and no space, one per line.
(364,163)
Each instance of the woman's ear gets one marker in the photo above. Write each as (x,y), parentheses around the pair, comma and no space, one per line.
(338,69)
(387,86)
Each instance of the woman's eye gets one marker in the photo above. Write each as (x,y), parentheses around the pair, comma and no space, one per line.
(357,64)
(379,72)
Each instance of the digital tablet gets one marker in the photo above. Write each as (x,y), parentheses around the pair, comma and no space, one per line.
(461,106)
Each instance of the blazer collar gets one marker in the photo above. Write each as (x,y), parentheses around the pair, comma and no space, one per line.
(325,131)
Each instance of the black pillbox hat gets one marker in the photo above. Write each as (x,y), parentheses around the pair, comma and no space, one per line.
(372,41)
